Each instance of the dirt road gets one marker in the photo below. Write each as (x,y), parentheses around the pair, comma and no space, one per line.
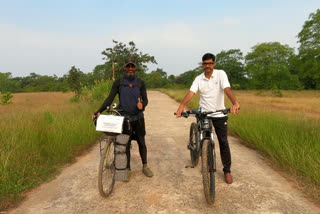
(173,189)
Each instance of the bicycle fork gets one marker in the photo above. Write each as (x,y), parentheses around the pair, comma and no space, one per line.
(212,158)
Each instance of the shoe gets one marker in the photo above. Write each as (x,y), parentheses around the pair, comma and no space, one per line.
(147,171)
(128,175)
(228,178)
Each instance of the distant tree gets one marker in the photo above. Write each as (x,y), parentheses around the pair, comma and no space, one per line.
(115,58)
(268,66)
(308,60)
(171,79)
(74,80)
(4,81)
(231,61)
(153,80)
(102,72)
(156,79)
(161,72)
(187,77)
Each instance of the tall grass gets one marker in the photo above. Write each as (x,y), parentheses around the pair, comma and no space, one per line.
(34,145)
(291,139)
(39,133)
(293,143)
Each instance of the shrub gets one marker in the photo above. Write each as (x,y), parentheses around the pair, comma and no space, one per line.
(5,98)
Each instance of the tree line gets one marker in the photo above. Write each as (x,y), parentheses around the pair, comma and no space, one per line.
(268,65)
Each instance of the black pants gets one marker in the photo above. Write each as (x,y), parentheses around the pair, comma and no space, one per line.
(138,134)
(221,129)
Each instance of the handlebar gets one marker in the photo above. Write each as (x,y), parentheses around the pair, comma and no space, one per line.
(197,112)
(115,110)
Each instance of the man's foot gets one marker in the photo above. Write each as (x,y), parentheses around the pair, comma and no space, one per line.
(228,178)
(128,176)
(147,171)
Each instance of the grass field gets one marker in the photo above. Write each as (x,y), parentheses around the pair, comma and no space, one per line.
(42,131)
(39,133)
(285,129)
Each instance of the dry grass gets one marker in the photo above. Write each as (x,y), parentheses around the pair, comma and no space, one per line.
(292,102)
(39,133)
(41,101)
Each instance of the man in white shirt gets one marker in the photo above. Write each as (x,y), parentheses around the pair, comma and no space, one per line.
(212,84)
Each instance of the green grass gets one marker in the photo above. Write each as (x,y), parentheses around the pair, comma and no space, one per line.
(35,145)
(291,141)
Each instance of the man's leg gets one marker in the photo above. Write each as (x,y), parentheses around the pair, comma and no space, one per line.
(142,149)
(221,129)
(140,133)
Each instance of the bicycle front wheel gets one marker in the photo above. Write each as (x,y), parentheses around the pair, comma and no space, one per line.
(194,144)
(208,171)
(106,170)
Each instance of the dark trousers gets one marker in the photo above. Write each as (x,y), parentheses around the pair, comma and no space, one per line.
(221,129)
(138,134)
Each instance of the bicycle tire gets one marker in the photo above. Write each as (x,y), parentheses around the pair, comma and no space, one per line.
(194,144)
(208,171)
(106,170)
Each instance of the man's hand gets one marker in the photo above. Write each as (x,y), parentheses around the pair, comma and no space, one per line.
(98,114)
(180,110)
(139,105)
(235,108)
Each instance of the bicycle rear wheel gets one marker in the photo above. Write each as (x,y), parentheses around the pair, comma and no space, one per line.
(208,171)
(194,144)
(106,170)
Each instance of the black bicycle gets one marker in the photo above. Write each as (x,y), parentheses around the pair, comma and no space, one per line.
(201,143)
(106,174)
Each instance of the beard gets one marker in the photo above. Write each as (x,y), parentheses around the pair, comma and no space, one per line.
(129,77)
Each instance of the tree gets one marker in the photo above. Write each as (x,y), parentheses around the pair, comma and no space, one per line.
(308,64)
(162,73)
(268,66)
(74,80)
(187,77)
(231,62)
(154,80)
(115,58)
(171,79)
(4,81)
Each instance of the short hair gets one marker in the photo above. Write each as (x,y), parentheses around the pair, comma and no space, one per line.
(209,56)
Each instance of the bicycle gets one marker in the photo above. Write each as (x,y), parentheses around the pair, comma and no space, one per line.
(201,143)
(107,169)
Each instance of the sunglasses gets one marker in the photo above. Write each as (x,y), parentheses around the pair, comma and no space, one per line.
(207,63)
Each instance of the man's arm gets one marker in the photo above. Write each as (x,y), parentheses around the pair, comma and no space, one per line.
(185,100)
(110,98)
(235,105)
(143,92)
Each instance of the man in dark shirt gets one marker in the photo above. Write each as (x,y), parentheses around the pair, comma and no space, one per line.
(133,100)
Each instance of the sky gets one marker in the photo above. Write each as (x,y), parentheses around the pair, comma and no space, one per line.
(49,37)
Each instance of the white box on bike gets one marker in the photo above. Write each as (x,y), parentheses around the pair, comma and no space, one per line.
(110,123)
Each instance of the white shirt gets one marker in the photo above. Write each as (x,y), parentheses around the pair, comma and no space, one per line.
(211,91)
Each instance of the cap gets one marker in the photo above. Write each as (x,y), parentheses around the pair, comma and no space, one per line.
(130,60)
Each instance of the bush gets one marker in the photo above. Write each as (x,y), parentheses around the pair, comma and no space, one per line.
(276,92)
(5,98)
(101,89)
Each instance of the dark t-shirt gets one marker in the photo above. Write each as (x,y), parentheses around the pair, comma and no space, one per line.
(116,90)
